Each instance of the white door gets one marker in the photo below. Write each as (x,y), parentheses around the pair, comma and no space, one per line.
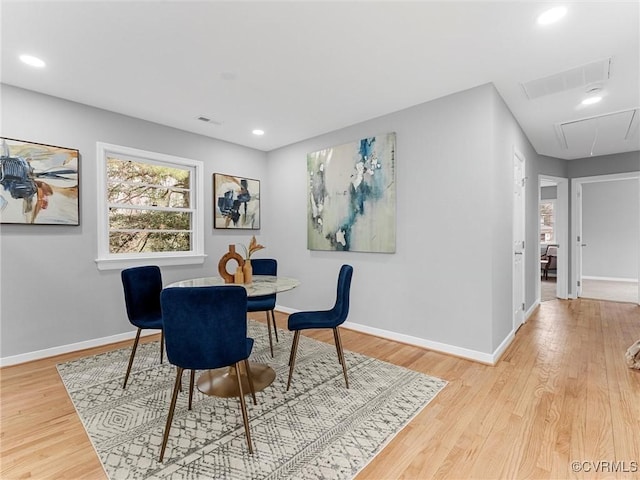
(518,239)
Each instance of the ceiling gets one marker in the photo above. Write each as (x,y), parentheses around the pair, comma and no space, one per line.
(301,69)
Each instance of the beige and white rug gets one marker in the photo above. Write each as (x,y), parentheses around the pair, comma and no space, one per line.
(317,430)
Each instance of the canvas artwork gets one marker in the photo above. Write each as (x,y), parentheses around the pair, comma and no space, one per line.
(39,183)
(236,202)
(352,196)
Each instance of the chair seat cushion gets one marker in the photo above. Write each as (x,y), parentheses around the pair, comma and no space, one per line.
(149,320)
(317,319)
(261,304)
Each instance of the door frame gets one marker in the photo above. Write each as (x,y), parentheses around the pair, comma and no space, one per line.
(561,231)
(576,224)
(518,281)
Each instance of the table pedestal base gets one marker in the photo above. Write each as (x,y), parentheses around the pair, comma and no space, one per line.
(222,382)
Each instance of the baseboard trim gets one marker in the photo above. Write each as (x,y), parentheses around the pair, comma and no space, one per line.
(72,347)
(531,309)
(611,279)
(481,357)
(467,354)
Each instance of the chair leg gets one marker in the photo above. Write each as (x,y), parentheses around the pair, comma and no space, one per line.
(250,379)
(172,408)
(133,354)
(243,406)
(191,382)
(275,327)
(269,329)
(337,342)
(292,357)
(161,346)
(336,332)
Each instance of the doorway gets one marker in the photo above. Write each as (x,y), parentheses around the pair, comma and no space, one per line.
(606,238)
(553,232)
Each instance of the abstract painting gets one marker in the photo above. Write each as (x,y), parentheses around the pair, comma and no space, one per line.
(352,196)
(236,202)
(39,183)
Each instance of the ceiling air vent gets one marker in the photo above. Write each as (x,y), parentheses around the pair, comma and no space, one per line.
(590,73)
(202,118)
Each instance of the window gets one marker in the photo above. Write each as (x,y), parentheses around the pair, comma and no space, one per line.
(547,221)
(150,208)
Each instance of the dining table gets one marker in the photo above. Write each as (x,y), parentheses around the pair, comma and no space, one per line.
(222,382)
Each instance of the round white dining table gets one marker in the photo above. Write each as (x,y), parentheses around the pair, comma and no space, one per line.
(222,382)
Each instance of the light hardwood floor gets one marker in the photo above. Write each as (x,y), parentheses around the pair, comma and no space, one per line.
(561,394)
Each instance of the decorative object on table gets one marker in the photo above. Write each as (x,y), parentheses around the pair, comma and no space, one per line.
(39,183)
(332,318)
(247,269)
(333,433)
(238,277)
(226,258)
(632,356)
(236,202)
(352,196)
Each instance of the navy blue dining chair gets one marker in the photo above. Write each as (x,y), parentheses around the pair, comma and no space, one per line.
(265,303)
(142,287)
(206,328)
(324,319)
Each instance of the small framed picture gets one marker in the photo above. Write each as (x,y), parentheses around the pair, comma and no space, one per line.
(39,183)
(236,202)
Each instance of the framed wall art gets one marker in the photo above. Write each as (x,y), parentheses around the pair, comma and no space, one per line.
(236,202)
(352,196)
(39,183)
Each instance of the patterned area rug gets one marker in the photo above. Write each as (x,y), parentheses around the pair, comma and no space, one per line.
(317,430)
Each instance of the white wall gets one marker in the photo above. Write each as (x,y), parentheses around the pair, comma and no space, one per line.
(52,294)
(611,229)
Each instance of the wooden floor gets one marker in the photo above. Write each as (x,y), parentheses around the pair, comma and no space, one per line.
(562,393)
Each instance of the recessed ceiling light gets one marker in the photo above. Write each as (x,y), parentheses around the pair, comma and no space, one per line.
(552,15)
(257,131)
(591,100)
(32,61)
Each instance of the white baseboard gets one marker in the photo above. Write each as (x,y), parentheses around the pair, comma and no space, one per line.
(487,358)
(481,357)
(72,347)
(531,309)
(474,355)
(611,279)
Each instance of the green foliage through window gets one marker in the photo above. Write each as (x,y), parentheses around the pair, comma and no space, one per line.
(149,207)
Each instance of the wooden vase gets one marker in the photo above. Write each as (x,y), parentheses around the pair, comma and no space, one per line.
(247,271)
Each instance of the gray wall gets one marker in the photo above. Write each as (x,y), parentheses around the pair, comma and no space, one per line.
(52,293)
(450,278)
(611,229)
(448,283)
(604,165)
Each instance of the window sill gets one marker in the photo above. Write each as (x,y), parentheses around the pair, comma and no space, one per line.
(159,260)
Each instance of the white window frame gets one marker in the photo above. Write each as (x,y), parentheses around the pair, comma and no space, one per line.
(113,261)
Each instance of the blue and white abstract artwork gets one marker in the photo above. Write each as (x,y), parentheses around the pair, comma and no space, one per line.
(352,196)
